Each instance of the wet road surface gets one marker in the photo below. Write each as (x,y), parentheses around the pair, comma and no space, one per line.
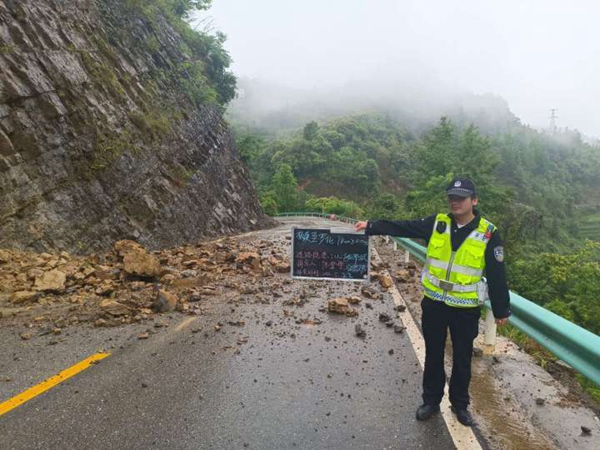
(289,376)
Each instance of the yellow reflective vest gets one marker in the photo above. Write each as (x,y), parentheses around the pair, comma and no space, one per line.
(455,278)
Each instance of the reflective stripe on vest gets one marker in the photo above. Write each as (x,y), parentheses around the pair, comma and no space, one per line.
(449,286)
(453,277)
(455,267)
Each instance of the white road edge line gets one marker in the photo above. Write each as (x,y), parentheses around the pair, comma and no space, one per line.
(463,437)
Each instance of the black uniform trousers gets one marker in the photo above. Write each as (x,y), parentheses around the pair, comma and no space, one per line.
(463,324)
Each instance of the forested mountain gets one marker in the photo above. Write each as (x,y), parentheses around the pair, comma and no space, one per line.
(541,189)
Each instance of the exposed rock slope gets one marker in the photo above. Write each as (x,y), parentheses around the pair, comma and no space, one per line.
(104,136)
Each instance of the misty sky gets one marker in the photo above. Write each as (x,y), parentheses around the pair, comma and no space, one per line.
(537,54)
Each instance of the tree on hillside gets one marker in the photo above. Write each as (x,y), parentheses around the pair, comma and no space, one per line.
(386,206)
(436,154)
(311,131)
(445,153)
(284,189)
(356,171)
(184,8)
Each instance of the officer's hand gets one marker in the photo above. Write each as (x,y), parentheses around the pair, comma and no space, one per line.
(360,225)
(501,321)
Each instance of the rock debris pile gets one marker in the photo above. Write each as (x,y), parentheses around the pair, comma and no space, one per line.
(129,283)
(44,293)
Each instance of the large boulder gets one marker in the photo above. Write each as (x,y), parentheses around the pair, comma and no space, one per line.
(51,281)
(137,261)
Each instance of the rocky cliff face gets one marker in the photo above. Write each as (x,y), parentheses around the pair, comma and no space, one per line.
(98,141)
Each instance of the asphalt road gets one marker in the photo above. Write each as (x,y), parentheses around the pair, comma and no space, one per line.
(283,385)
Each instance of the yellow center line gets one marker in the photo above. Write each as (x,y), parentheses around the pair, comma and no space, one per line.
(34,391)
(185,323)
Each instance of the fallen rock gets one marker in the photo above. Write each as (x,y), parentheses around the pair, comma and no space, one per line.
(386,281)
(189,273)
(164,302)
(370,292)
(283,267)
(137,261)
(403,276)
(21,297)
(383,317)
(106,273)
(51,281)
(249,259)
(360,332)
(168,278)
(399,329)
(105,289)
(353,312)
(114,308)
(340,306)
(208,290)
(5,257)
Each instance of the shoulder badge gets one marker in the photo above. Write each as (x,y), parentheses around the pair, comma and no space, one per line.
(499,253)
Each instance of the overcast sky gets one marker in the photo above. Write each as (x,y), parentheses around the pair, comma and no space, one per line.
(537,54)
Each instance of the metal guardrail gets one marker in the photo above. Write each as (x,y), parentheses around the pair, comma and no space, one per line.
(574,345)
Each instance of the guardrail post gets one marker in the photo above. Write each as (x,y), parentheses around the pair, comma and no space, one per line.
(489,333)
(406,257)
(395,245)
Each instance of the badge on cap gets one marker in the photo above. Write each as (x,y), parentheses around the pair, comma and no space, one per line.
(499,253)
(457,184)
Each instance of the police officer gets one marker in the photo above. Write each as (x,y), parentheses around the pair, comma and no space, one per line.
(462,247)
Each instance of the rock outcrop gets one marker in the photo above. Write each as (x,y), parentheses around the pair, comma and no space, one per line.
(103,135)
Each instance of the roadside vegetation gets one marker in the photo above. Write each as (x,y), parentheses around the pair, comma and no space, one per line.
(205,77)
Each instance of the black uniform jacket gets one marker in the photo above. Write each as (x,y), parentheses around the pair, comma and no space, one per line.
(495,270)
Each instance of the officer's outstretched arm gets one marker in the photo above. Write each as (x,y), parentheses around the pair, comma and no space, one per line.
(362,225)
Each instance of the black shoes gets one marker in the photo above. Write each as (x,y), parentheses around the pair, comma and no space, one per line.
(425,411)
(463,416)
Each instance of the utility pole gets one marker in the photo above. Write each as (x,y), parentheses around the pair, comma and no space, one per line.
(553,118)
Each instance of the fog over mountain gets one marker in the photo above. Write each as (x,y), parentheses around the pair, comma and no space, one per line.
(537,55)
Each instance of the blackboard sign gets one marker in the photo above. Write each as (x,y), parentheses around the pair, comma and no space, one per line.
(330,254)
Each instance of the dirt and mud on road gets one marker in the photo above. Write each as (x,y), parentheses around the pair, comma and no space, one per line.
(239,288)
(262,361)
